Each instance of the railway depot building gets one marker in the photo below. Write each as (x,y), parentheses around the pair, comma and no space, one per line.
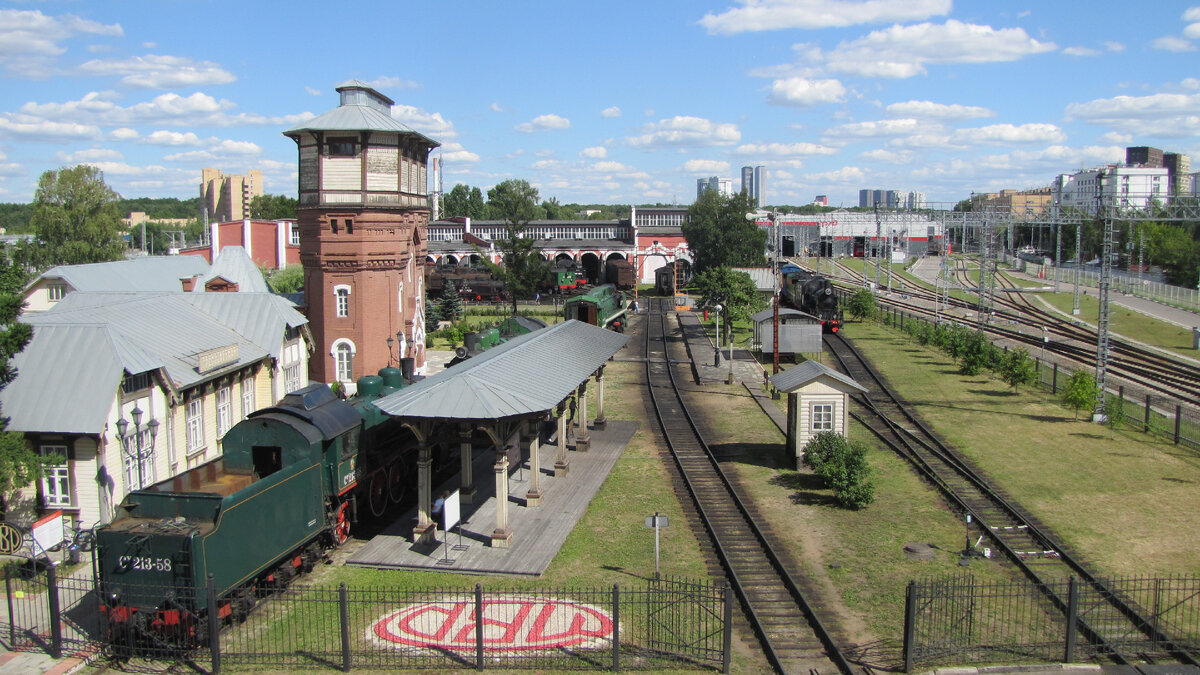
(132,388)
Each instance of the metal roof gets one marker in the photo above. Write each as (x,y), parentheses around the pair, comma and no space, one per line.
(763,277)
(356,117)
(146,273)
(528,375)
(72,368)
(234,264)
(769,313)
(800,375)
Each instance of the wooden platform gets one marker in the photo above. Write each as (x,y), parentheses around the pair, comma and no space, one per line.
(538,532)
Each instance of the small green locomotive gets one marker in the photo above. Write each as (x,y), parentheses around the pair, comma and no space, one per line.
(602,306)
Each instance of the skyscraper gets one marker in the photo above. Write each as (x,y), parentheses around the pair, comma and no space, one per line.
(752,184)
(723,186)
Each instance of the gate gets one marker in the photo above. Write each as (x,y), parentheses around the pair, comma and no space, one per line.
(36,597)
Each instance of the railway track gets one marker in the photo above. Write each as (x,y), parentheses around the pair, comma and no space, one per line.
(792,634)
(1110,621)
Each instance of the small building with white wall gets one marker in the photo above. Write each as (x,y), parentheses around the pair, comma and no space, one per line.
(818,400)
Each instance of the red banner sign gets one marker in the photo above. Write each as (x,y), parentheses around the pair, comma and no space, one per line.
(509,624)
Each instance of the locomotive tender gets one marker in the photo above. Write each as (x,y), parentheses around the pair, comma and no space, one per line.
(812,294)
(601,306)
(283,491)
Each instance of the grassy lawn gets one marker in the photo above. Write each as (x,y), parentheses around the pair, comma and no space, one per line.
(1124,500)
(1125,322)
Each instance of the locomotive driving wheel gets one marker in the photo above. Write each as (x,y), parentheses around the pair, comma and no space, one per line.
(341,529)
(396,486)
(378,492)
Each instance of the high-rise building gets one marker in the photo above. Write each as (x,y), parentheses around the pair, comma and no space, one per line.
(866,199)
(752,184)
(1144,156)
(1178,167)
(227,197)
(724,186)
(823,200)
(363,214)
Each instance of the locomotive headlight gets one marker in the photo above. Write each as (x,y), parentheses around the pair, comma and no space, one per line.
(114,598)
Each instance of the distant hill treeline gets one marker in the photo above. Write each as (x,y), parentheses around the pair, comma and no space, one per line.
(14,218)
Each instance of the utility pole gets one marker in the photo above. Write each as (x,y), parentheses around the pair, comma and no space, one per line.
(1078,264)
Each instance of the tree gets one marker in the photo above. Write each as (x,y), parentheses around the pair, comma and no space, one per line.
(522,270)
(287,280)
(862,304)
(76,219)
(719,235)
(476,209)
(1017,368)
(734,291)
(19,464)
(978,354)
(1081,392)
(455,202)
(450,306)
(273,207)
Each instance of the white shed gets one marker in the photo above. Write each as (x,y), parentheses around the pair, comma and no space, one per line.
(818,400)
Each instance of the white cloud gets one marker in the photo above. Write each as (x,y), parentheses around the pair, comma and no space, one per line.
(686,131)
(888,156)
(877,129)
(550,122)
(709,167)
(312,91)
(904,51)
(611,111)
(1081,51)
(931,110)
(31,128)
(844,175)
(1192,31)
(1114,46)
(198,109)
(784,149)
(392,83)
(799,91)
(1114,137)
(218,150)
(1170,115)
(495,107)
(455,153)
(431,124)
(123,134)
(154,71)
(595,152)
(759,15)
(30,40)
(1171,43)
(171,138)
(1191,14)
(1009,133)
(88,156)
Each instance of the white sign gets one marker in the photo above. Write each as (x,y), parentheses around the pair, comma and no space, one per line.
(48,531)
(451,511)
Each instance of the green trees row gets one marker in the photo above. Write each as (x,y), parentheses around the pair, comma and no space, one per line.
(975,353)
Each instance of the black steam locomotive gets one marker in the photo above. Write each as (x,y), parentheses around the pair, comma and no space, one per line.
(813,294)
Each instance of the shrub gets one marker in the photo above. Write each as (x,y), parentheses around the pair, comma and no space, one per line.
(843,467)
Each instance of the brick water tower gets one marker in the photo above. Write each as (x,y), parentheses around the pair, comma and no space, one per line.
(363,211)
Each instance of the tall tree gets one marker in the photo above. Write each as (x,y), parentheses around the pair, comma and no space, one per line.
(273,207)
(734,291)
(455,203)
(719,235)
(19,464)
(76,219)
(476,209)
(523,270)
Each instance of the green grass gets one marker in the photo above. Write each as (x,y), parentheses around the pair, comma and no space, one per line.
(1125,322)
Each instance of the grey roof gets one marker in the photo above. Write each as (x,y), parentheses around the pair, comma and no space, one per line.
(527,375)
(800,375)
(353,117)
(783,311)
(72,368)
(234,264)
(763,277)
(146,273)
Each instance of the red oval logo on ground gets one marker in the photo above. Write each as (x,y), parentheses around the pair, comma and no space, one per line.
(509,624)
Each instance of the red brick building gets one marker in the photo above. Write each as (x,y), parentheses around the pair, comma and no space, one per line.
(273,244)
(363,211)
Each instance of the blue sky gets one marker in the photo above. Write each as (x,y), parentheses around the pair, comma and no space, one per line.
(607,102)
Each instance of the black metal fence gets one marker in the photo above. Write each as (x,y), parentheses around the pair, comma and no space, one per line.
(959,620)
(1152,413)
(659,624)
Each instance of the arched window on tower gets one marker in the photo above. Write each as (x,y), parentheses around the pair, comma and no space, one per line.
(343,356)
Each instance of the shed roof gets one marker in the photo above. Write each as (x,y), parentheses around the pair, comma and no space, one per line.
(527,375)
(234,264)
(794,378)
(783,311)
(145,273)
(763,277)
(72,368)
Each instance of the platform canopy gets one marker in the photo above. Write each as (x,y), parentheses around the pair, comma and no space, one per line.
(525,376)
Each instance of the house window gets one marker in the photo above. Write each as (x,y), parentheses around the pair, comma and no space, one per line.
(342,294)
(195,425)
(56,481)
(291,378)
(133,479)
(333,225)
(343,356)
(247,397)
(132,383)
(294,234)
(340,147)
(56,292)
(224,410)
(822,417)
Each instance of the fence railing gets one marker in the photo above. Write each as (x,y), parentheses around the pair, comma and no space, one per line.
(960,620)
(662,623)
(1123,282)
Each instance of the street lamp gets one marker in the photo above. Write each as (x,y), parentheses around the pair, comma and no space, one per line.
(136,451)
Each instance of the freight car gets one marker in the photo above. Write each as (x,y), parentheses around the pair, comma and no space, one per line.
(472,284)
(602,306)
(813,294)
(619,272)
(284,490)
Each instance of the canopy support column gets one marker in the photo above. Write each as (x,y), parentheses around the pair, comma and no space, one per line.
(502,535)
(600,420)
(533,497)
(465,452)
(583,440)
(560,465)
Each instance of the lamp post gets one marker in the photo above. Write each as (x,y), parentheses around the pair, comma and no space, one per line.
(135,449)
(390,342)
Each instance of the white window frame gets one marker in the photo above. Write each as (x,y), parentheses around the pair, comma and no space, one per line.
(248,397)
(821,417)
(195,425)
(130,463)
(224,410)
(343,352)
(291,378)
(341,299)
(56,292)
(56,483)
(294,234)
